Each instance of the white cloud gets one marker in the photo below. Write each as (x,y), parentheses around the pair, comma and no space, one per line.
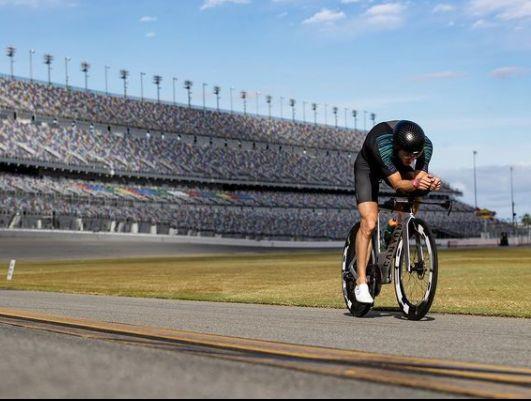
(509,72)
(151,35)
(439,75)
(147,18)
(325,16)
(216,3)
(506,10)
(38,3)
(443,8)
(388,15)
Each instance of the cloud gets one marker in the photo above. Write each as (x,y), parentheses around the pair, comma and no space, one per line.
(439,75)
(325,16)
(147,18)
(506,10)
(509,72)
(443,8)
(35,4)
(151,35)
(389,15)
(216,3)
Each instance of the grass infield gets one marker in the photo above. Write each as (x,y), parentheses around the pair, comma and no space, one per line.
(493,282)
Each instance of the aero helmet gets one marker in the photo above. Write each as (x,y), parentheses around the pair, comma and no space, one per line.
(409,137)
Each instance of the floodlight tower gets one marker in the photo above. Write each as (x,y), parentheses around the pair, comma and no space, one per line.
(142,75)
(475,180)
(355,116)
(292,104)
(188,86)
(373,118)
(243,95)
(269,100)
(174,81)
(48,60)
(124,74)
(304,111)
(258,94)
(85,67)
(10,52)
(67,60)
(157,80)
(513,205)
(314,108)
(335,110)
(107,68)
(204,95)
(346,118)
(217,91)
(31,53)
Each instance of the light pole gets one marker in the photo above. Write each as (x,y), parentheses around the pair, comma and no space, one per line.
(269,100)
(243,95)
(10,52)
(373,118)
(174,81)
(157,80)
(326,113)
(475,180)
(231,100)
(217,91)
(188,86)
(67,60)
(304,111)
(124,74)
(85,67)
(107,68)
(355,115)
(281,107)
(258,103)
(204,96)
(31,53)
(314,108)
(48,60)
(335,110)
(365,120)
(513,206)
(292,104)
(142,75)
(346,118)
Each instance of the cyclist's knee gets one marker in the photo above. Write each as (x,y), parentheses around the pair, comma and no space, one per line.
(368,225)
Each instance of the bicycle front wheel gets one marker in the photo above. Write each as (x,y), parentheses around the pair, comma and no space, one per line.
(416,284)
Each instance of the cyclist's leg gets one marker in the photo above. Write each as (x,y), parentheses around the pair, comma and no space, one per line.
(369,217)
(367,189)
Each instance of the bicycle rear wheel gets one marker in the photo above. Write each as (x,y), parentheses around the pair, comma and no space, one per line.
(349,279)
(415,285)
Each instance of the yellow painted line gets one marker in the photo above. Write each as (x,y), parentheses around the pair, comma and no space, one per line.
(472,379)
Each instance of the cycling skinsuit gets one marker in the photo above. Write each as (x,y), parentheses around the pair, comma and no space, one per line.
(378,160)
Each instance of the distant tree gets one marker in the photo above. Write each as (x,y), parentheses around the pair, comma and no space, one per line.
(526,220)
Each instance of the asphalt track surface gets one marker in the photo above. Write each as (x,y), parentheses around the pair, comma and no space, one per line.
(37,363)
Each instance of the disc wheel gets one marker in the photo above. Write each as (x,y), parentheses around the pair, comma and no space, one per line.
(415,285)
(349,279)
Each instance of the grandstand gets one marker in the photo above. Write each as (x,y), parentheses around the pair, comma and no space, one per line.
(80,160)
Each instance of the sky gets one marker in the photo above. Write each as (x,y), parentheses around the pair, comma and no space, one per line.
(461,69)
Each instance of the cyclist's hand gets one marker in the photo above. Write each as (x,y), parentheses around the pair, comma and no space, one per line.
(436,183)
(425,183)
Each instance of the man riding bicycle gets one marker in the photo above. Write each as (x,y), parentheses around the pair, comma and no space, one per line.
(389,153)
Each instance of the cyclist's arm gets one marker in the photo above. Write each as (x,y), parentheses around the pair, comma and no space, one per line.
(419,183)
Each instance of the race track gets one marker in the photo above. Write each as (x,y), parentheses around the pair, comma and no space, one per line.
(48,362)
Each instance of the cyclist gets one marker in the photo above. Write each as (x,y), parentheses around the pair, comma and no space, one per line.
(399,153)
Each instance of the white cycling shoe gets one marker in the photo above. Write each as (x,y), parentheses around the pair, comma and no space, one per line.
(363,296)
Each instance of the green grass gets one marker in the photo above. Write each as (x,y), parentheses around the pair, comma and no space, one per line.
(494,282)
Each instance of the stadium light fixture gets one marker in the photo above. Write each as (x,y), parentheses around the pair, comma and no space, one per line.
(174,81)
(67,60)
(157,80)
(31,53)
(314,108)
(346,118)
(258,94)
(281,107)
(107,68)
(243,95)
(10,52)
(85,67)
(269,100)
(475,153)
(513,205)
(304,111)
(335,110)
(217,91)
(142,75)
(188,86)
(204,95)
(365,112)
(124,74)
(326,113)
(373,118)
(355,116)
(48,60)
(292,104)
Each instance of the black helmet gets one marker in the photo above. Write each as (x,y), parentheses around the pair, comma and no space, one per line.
(409,137)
